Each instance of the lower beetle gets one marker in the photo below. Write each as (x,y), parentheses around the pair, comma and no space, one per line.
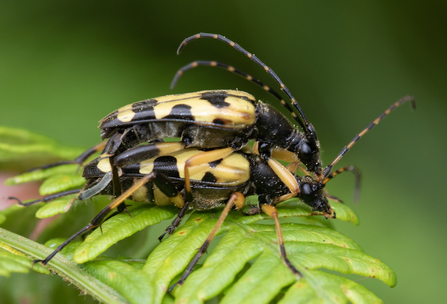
(202,180)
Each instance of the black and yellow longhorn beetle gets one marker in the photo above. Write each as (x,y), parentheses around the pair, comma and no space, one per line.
(167,173)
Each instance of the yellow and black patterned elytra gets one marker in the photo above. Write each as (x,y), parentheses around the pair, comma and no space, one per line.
(224,108)
(209,119)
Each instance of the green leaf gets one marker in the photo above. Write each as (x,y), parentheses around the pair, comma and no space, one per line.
(132,283)
(40,174)
(309,247)
(120,227)
(337,290)
(12,263)
(63,267)
(243,264)
(57,206)
(61,182)
(12,260)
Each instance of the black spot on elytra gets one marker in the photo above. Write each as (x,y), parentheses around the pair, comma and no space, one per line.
(181,111)
(144,105)
(146,113)
(218,121)
(209,177)
(132,169)
(214,164)
(217,99)
(166,165)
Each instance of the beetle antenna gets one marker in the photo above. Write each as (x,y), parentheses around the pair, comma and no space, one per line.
(346,148)
(307,126)
(358,179)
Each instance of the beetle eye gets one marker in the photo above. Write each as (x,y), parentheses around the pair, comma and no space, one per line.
(306,189)
(305,153)
(307,192)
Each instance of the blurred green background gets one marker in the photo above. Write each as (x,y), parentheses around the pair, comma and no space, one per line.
(63,66)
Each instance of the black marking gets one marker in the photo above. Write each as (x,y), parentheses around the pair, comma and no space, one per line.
(385,114)
(215,163)
(144,105)
(217,99)
(282,249)
(146,114)
(218,121)
(132,169)
(164,184)
(181,112)
(209,177)
(204,246)
(166,165)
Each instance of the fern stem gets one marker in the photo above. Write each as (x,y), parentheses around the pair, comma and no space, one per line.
(64,267)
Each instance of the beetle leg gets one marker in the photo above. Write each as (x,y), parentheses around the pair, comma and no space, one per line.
(286,177)
(137,155)
(236,199)
(45,199)
(286,156)
(196,160)
(78,160)
(273,212)
(252,211)
(141,153)
(171,228)
(159,179)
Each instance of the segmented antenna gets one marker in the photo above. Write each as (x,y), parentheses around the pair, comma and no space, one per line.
(308,128)
(358,179)
(345,150)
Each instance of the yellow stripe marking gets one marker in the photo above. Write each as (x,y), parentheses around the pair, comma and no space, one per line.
(125,114)
(104,165)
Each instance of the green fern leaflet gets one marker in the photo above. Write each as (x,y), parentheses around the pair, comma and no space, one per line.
(243,267)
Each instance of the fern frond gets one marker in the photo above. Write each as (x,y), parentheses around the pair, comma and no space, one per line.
(243,267)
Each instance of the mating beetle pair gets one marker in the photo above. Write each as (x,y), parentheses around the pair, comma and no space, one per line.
(223,121)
